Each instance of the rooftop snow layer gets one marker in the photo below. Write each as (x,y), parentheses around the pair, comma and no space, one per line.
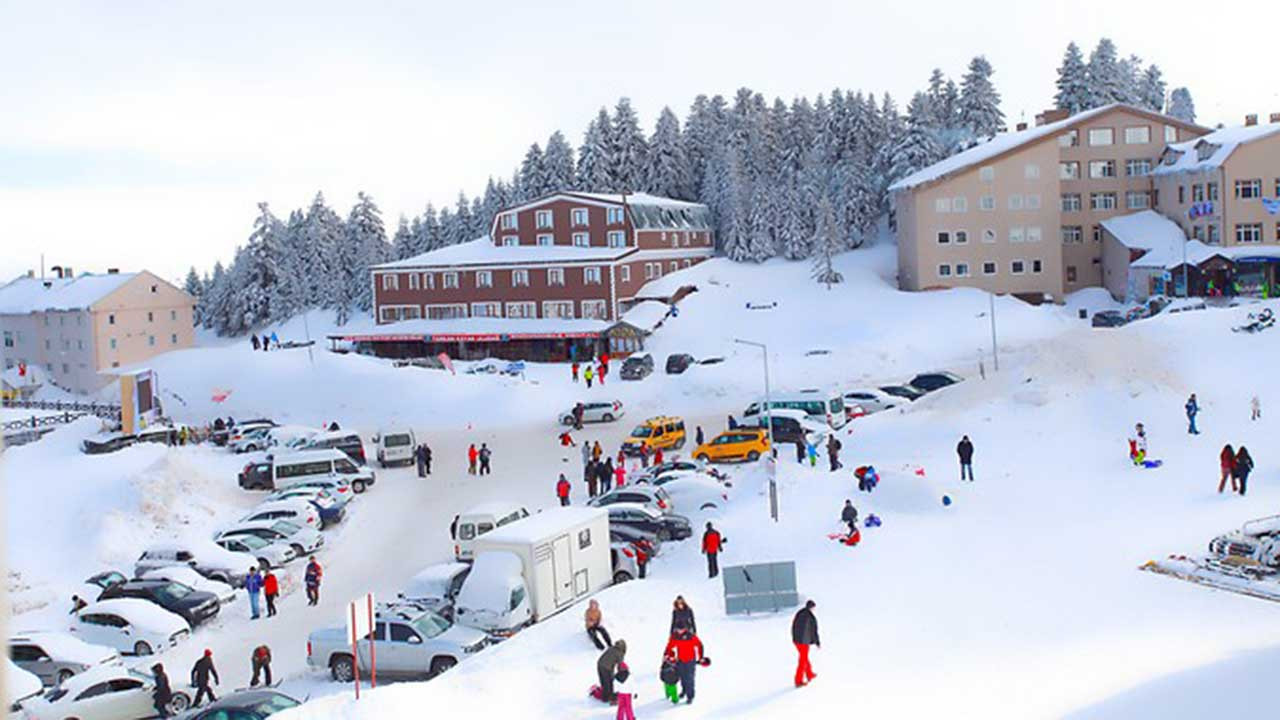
(541,525)
(65,647)
(482,251)
(27,294)
(640,199)
(139,612)
(1218,146)
(647,314)
(1147,230)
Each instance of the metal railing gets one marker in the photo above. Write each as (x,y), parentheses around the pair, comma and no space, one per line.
(106,411)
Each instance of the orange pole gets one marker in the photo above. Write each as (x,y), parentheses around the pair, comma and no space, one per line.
(355,655)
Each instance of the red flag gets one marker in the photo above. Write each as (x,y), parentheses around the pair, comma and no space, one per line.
(447,362)
(220,395)
(920,472)
(22,369)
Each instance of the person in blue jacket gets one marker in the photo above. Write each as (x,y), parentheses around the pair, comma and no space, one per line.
(253,586)
(1193,409)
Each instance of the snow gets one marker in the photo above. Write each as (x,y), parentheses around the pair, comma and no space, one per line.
(20,684)
(540,526)
(433,581)
(26,295)
(1226,141)
(647,314)
(482,251)
(1148,230)
(488,587)
(141,613)
(68,648)
(640,199)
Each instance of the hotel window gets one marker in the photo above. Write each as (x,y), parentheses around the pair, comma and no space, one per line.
(944,238)
(414,279)
(987,174)
(614,216)
(557,309)
(1017,234)
(579,217)
(555,277)
(1016,267)
(1070,202)
(581,240)
(962,237)
(522,309)
(591,275)
(1097,233)
(486,309)
(1248,189)
(987,202)
(450,280)
(151,317)
(988,268)
(1211,191)
(1182,194)
(546,240)
(446,312)
(1102,168)
(624,273)
(1033,202)
(1015,202)
(173,339)
(652,270)
(173,315)
(111,320)
(960,204)
(593,309)
(1071,273)
(1069,170)
(1070,138)
(428,281)
(151,340)
(1137,167)
(543,218)
(1197,193)
(962,269)
(390,282)
(944,270)
(1197,232)
(1034,234)
(1036,266)
(519,278)
(509,221)
(1137,199)
(1213,236)
(1072,235)
(1170,133)
(1031,172)
(1140,135)
(113,343)
(1102,136)
(988,236)
(1102,201)
(1248,233)
(510,241)
(942,205)
(484,278)
(673,266)
(617,238)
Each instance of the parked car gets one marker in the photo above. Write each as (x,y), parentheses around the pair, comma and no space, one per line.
(166,434)
(205,558)
(677,363)
(664,526)
(791,426)
(95,584)
(303,540)
(194,606)
(55,657)
(297,511)
(436,588)
(106,443)
(268,554)
(743,443)
(595,412)
(105,693)
(331,506)
(19,687)
(656,432)
(244,705)
(251,440)
(625,565)
(906,392)
(347,442)
(411,645)
(241,433)
(646,474)
(931,381)
(693,490)
(637,367)
(631,535)
(192,579)
(479,520)
(650,496)
(130,625)
(223,436)
(395,446)
(1108,318)
(871,401)
(289,469)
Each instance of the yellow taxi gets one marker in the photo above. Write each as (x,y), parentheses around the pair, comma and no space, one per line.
(737,444)
(656,432)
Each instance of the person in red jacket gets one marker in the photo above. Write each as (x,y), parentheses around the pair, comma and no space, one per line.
(1227,459)
(562,490)
(657,456)
(712,543)
(687,649)
(472,455)
(271,590)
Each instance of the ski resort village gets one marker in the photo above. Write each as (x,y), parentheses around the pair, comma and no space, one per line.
(353,371)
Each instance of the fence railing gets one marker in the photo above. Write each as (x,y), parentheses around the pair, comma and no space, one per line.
(106,411)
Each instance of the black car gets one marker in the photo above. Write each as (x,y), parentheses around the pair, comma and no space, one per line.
(905,392)
(931,381)
(245,705)
(666,527)
(195,606)
(110,444)
(1108,318)
(257,476)
(678,363)
(637,367)
(106,579)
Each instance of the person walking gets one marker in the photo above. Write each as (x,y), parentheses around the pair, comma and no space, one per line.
(733,423)
(800,451)
(161,693)
(261,659)
(426,456)
(578,411)
(644,456)
(965,450)
(266,343)
(681,614)
(562,490)
(1255,408)
(596,451)
(575,371)
(270,590)
(658,457)
(688,650)
(1227,461)
(591,479)
(607,668)
(644,550)
(604,472)
(485,454)
(1193,409)
(670,678)
(420,457)
(312,578)
(1244,466)
(472,456)
(699,438)
(252,586)
(586,453)
(600,374)
(200,673)
(812,450)
(804,632)
(619,475)
(833,452)
(587,374)
(712,543)
(275,340)
(257,345)
(849,516)
(595,630)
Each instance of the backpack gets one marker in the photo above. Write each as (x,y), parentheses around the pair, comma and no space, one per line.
(668,674)
(623,673)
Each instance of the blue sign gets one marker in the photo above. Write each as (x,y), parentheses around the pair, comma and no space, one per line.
(1200,209)
(1256,259)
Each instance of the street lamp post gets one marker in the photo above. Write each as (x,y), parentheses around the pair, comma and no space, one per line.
(772,458)
(995,355)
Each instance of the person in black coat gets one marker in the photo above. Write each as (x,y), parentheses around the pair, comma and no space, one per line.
(420,456)
(849,516)
(604,474)
(161,693)
(426,457)
(682,614)
(965,451)
(1244,466)
(200,673)
(607,668)
(804,632)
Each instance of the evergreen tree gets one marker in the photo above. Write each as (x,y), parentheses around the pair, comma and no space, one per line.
(730,203)
(195,288)
(259,268)
(323,233)
(667,169)
(936,113)
(367,244)
(1105,82)
(403,243)
(827,243)
(214,296)
(1130,73)
(428,231)
(1181,106)
(289,291)
(702,134)
(979,101)
(534,179)
(462,221)
(916,148)
(595,161)
(1073,82)
(1151,89)
(627,148)
(558,164)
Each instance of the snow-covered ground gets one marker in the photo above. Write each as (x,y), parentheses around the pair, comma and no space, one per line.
(1020,599)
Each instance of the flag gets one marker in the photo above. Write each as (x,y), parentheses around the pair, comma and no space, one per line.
(920,472)
(220,395)
(1272,206)
(22,369)
(446,362)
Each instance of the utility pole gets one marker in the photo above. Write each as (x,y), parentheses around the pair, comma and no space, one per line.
(772,458)
(995,355)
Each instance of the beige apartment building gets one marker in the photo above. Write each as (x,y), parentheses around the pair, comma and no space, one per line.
(78,328)
(1022,213)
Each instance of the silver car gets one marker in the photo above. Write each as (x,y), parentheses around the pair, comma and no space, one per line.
(872,401)
(55,657)
(595,412)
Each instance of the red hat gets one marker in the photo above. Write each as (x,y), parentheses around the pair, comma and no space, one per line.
(208,652)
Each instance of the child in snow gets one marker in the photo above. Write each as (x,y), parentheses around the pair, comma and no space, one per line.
(670,676)
(812,450)
(1256,408)
(1138,445)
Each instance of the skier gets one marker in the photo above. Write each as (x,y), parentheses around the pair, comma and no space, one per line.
(849,516)
(1193,409)
(804,632)
(687,648)
(593,617)
(472,454)
(1227,460)
(1255,408)
(712,543)
(270,590)
(965,450)
(261,659)
(77,604)
(312,578)
(420,457)
(587,374)
(562,490)
(253,585)
(200,673)
(161,693)
(682,614)
(698,436)
(1244,465)
(604,472)
(256,344)
(607,667)
(670,676)
(484,455)
(833,452)
(575,371)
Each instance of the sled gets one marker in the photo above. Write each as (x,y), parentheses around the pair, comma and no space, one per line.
(1150,464)
(846,539)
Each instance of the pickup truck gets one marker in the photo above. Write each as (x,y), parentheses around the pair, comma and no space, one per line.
(412,644)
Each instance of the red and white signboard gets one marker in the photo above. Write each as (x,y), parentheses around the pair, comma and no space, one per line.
(360,624)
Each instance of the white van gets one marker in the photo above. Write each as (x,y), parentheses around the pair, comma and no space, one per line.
(823,406)
(479,520)
(395,446)
(285,470)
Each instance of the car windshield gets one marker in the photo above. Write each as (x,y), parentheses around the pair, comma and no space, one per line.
(284,527)
(643,431)
(273,704)
(431,625)
(253,542)
(173,592)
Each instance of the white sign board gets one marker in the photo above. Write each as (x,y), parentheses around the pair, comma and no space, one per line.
(360,618)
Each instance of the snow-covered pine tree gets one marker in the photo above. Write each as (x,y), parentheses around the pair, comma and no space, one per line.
(448,228)
(827,244)
(979,102)
(595,158)
(627,147)
(462,221)
(916,148)
(368,240)
(533,174)
(558,163)
(1181,105)
(702,132)
(667,171)
(731,203)
(1130,73)
(215,291)
(1073,82)
(935,112)
(1105,82)
(949,109)
(194,288)
(260,267)
(402,243)
(1152,89)
(288,296)
(428,231)
(323,232)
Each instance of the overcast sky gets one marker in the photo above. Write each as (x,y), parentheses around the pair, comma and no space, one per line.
(142,134)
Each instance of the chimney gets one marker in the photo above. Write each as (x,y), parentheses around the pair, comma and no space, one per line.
(57,269)
(1275,117)
(1250,120)
(113,271)
(1051,115)
(66,272)
(1021,126)
(31,273)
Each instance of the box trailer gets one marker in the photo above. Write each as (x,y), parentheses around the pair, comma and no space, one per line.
(534,568)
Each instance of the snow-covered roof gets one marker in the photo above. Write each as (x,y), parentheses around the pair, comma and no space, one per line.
(64,647)
(540,526)
(644,199)
(516,327)
(28,294)
(433,581)
(482,251)
(35,376)
(646,315)
(1210,151)
(1149,231)
(142,613)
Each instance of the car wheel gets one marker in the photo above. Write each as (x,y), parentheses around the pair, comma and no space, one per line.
(708,506)
(141,648)
(250,448)
(220,577)
(703,457)
(566,420)
(621,576)
(264,563)
(753,456)
(679,443)
(179,703)
(342,668)
(607,417)
(441,664)
(358,486)
(298,549)
(64,675)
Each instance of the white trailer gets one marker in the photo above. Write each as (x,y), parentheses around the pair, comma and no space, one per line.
(535,567)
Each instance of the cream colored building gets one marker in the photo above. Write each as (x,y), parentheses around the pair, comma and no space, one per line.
(78,328)
(1022,213)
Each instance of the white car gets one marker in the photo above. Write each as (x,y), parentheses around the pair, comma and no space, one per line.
(268,554)
(251,440)
(650,496)
(192,579)
(692,490)
(206,558)
(302,539)
(56,656)
(297,511)
(105,693)
(20,686)
(595,412)
(871,401)
(130,625)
